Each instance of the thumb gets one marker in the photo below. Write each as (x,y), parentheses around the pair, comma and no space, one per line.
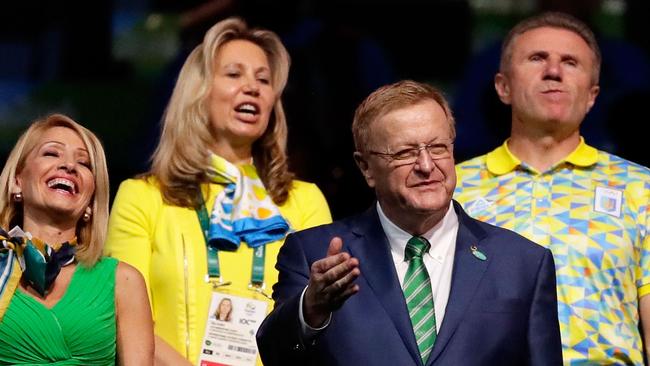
(335,246)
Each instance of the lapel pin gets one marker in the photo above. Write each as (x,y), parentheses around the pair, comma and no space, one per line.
(477,253)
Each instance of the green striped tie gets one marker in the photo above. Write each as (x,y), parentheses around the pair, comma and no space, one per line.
(419,298)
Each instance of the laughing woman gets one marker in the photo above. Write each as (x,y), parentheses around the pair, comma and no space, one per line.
(214,209)
(60,302)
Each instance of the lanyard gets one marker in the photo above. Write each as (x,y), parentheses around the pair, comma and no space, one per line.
(259,253)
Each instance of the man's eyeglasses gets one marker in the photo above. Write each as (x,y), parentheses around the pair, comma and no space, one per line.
(441,149)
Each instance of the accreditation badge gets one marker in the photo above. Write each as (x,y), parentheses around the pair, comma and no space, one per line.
(230,332)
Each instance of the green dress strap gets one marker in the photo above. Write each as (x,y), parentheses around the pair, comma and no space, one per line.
(79,330)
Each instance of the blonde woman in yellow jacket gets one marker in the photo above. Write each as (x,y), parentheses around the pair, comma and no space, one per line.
(221,160)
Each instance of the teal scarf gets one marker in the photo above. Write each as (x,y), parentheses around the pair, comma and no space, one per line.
(37,262)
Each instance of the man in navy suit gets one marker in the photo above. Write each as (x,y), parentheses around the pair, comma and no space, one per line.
(413,280)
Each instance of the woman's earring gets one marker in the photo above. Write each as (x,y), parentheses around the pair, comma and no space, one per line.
(18,197)
(86,216)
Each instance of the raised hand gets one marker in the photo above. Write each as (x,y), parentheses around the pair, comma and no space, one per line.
(331,283)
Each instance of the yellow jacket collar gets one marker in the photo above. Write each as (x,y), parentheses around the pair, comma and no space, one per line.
(501,160)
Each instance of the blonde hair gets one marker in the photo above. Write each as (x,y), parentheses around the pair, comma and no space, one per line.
(180,160)
(392,97)
(551,19)
(91,234)
(217,313)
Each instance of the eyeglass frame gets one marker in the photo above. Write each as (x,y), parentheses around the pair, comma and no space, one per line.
(414,152)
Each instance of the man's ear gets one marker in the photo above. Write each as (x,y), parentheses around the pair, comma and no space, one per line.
(593,93)
(502,86)
(364,167)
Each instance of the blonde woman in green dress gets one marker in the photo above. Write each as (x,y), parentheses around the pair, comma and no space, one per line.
(60,302)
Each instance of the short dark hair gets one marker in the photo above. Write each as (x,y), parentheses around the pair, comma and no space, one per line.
(552,19)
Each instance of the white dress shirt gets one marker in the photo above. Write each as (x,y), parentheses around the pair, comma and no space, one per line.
(439,261)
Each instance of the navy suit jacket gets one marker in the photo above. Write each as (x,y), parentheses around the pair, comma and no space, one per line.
(501,311)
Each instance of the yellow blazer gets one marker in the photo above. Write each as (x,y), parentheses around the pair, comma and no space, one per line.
(166,244)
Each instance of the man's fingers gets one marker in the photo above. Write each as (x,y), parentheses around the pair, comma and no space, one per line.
(332,278)
(349,291)
(335,246)
(341,298)
(345,276)
(327,263)
(339,271)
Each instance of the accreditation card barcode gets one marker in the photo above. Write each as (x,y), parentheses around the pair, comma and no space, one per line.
(251,351)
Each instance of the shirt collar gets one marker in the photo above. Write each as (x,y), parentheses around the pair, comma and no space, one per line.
(501,160)
(441,236)
(584,155)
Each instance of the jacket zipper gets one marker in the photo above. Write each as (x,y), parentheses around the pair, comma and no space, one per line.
(187,307)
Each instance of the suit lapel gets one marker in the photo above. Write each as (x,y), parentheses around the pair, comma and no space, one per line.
(466,276)
(373,251)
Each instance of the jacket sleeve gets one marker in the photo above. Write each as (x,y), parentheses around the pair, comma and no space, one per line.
(314,210)
(544,342)
(278,338)
(130,225)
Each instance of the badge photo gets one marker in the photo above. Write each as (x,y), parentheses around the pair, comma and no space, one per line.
(608,201)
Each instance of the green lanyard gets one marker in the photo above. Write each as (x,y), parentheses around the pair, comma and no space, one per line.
(259,253)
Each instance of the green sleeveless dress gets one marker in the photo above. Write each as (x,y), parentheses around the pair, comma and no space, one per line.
(79,330)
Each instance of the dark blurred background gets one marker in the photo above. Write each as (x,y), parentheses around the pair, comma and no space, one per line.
(111,65)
